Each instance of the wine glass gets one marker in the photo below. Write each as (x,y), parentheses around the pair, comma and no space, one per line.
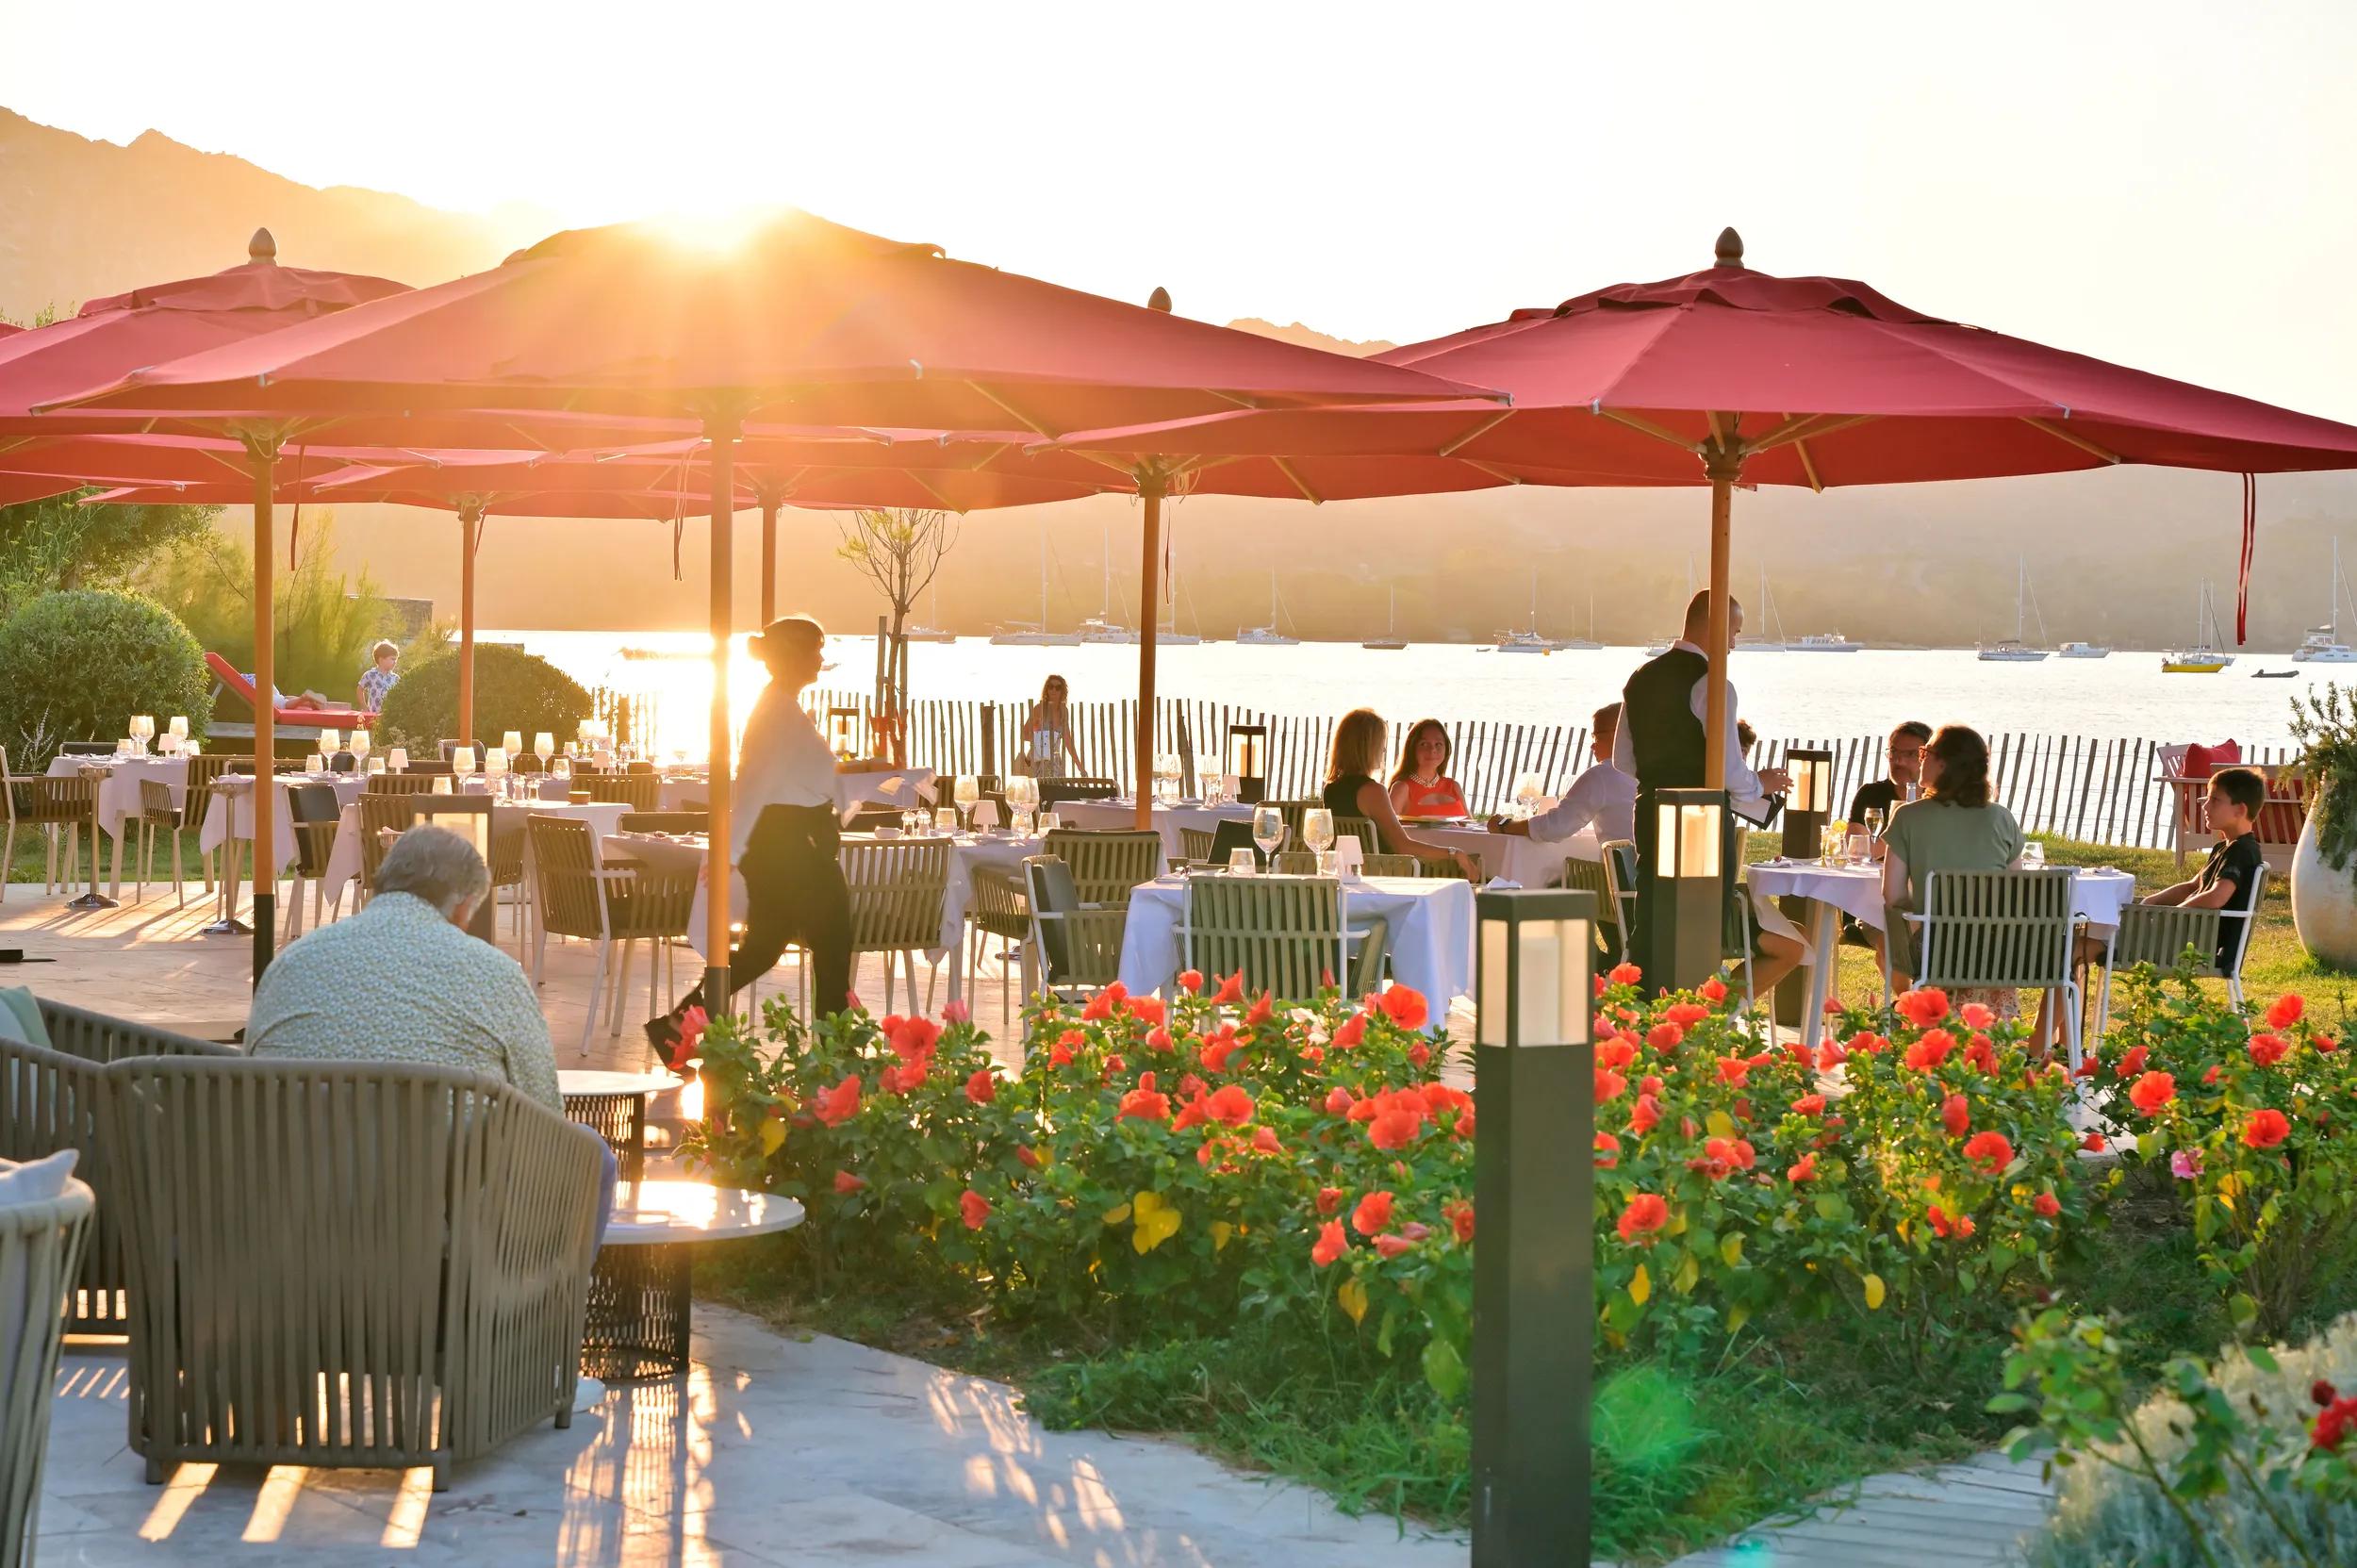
(126,745)
(462,763)
(180,726)
(358,744)
(1268,829)
(1529,791)
(562,770)
(373,766)
(1207,777)
(315,763)
(968,790)
(512,742)
(543,746)
(142,731)
(1317,829)
(495,769)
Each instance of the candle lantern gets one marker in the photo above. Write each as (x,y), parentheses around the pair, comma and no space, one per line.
(843,731)
(1806,811)
(1685,907)
(1248,759)
(1534,1188)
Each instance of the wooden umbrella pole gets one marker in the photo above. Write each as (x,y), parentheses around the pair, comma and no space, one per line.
(1149,573)
(469,519)
(768,558)
(723,438)
(262,454)
(1723,464)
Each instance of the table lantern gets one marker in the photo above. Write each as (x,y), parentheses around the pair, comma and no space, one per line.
(1248,760)
(1808,812)
(843,731)
(1684,909)
(1534,1187)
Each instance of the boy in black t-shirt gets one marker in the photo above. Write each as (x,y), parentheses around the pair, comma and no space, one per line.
(2231,873)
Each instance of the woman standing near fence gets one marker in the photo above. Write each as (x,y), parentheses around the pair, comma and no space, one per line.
(1048,734)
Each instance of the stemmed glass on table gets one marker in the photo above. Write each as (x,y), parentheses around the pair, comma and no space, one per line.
(142,731)
(1207,777)
(1317,832)
(967,791)
(1268,829)
(1529,791)
(1023,800)
(461,765)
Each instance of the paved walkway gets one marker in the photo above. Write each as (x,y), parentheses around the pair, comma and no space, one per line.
(802,1454)
(1969,1515)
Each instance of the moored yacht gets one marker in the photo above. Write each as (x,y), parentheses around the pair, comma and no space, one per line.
(2084,650)
(2014,650)
(2323,644)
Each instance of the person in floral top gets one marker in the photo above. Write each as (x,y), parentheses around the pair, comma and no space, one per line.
(379,678)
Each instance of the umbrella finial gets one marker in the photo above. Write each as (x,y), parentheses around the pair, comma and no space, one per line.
(1159,300)
(261,247)
(1730,247)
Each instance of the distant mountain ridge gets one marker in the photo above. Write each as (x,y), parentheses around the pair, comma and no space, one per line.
(2115,556)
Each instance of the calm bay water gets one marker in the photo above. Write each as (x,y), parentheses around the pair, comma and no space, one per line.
(1793,695)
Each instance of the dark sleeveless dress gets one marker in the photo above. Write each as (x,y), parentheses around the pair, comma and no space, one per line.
(1341,797)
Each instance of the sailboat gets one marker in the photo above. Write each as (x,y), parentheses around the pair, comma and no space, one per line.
(2323,645)
(1170,637)
(1768,617)
(1026,633)
(1589,643)
(929,633)
(2204,657)
(2084,650)
(1267,637)
(1102,627)
(1391,641)
(1529,641)
(2014,650)
(1656,650)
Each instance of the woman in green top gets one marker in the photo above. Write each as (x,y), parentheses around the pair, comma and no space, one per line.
(1351,791)
(1956,827)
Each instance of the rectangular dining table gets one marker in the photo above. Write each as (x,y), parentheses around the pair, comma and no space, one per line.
(1431,921)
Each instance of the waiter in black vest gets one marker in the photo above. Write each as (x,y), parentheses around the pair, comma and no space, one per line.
(787,836)
(1662,742)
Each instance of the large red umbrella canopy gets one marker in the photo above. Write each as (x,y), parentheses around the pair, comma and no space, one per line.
(1730,376)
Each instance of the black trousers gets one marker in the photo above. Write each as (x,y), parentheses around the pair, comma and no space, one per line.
(794,893)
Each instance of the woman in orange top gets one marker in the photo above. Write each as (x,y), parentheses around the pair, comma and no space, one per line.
(1421,785)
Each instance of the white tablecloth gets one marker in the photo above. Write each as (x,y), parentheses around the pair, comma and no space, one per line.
(1530,862)
(1432,923)
(1103,815)
(902,788)
(343,858)
(223,823)
(2097,894)
(119,792)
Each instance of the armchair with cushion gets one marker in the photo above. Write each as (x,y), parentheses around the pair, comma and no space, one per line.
(416,1298)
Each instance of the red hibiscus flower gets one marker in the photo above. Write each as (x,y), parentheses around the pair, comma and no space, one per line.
(1372,1213)
(2047,1204)
(1615,1051)
(1218,1047)
(2132,1063)
(1608,1085)
(1146,1010)
(1866,1043)
(1158,1039)
(1230,990)
(1353,1031)
(1959,1227)
(1260,1012)
(1924,1006)
(1461,1220)
(1931,1050)
(1230,1104)
(2095,1143)
(1977,1016)
(1264,1141)
(839,1104)
(982,1087)
(2267,1049)
(1194,1114)
(1991,1151)
(1686,1015)
(2153,1091)
(909,1075)
(1100,1007)
(845,1182)
(1029,1155)
(1713,989)
(973,1207)
(1646,1116)
(1392,1247)
(1330,1244)
(2285,1010)
(2265,1129)
(1406,1006)
(1830,1055)
(1734,1070)
(1392,1129)
(1626,974)
(1809,1105)
(1664,1036)
(1330,1200)
(1145,1103)
(1338,1102)
(1956,1115)
(1607,1151)
(1803,1169)
(1191,981)
(1646,1214)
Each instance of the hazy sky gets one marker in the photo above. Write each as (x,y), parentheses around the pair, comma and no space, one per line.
(2167,185)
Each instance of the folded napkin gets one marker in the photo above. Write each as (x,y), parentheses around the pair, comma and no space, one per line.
(1501,885)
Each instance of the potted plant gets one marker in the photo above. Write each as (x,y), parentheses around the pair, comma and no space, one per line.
(2324,890)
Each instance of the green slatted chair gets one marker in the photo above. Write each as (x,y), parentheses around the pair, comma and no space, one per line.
(1295,863)
(1391,865)
(1106,864)
(997,906)
(1284,935)
(1620,879)
(2159,934)
(1590,876)
(1293,810)
(1369,842)
(1079,943)
(896,886)
(1194,844)
(2001,930)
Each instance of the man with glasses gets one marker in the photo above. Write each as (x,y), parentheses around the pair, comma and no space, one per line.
(1905,754)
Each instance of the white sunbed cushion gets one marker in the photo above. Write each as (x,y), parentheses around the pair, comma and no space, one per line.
(35,1180)
(20,1017)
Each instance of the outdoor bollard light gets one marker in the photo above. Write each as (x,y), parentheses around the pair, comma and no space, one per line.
(842,727)
(1806,811)
(1534,1199)
(1247,752)
(1686,908)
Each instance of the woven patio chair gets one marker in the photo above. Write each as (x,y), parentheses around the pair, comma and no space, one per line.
(379,814)
(196,797)
(1295,863)
(627,902)
(507,872)
(41,1246)
(997,906)
(62,808)
(2001,930)
(1285,936)
(415,1298)
(1391,865)
(2159,934)
(1053,792)
(1106,864)
(156,814)
(897,888)
(1590,876)
(638,791)
(315,818)
(1194,844)
(398,784)
(1077,943)
(1370,841)
(1620,879)
(49,1099)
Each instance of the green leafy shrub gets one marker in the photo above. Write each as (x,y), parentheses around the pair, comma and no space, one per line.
(323,621)
(513,690)
(2250,1463)
(77,665)
(2326,728)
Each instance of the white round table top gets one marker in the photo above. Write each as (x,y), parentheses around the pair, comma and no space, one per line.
(649,1214)
(588,1081)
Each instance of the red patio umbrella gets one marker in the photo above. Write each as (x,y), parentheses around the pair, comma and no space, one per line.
(807,320)
(1732,376)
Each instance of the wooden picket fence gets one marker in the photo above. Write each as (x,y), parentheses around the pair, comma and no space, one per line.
(2078,787)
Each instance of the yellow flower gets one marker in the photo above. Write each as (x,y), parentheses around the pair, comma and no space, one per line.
(1155,1221)
(1353,1296)
(1221,1231)
(772,1136)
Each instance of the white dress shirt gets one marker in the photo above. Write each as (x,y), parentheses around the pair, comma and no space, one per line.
(783,761)
(1742,784)
(1602,795)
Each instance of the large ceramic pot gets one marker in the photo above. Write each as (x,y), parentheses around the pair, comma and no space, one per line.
(2324,902)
